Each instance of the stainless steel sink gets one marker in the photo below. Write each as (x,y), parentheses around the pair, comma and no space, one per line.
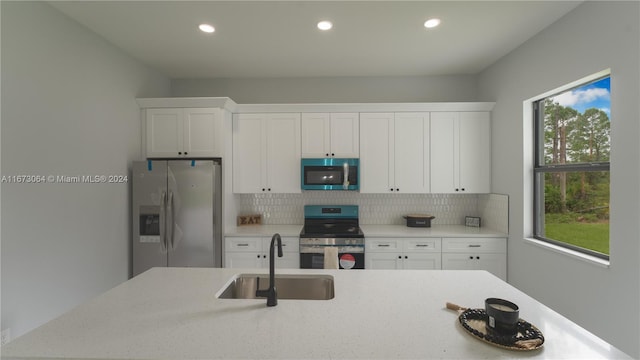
(288,286)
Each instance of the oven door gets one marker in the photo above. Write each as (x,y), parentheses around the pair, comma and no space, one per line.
(349,257)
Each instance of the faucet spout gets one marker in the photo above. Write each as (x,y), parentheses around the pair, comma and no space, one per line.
(270,293)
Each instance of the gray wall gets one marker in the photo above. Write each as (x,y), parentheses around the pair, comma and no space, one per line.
(68,108)
(593,37)
(332,89)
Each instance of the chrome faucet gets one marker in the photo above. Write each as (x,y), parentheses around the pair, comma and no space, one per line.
(270,293)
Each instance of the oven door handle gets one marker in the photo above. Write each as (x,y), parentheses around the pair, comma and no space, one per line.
(319,249)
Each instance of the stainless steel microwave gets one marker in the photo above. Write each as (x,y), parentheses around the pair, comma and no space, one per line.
(330,174)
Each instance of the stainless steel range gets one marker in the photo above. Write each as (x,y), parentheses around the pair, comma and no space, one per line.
(331,226)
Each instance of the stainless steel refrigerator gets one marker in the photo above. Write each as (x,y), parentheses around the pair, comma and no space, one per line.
(176,214)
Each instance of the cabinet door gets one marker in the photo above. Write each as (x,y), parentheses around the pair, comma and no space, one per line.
(383,261)
(201,128)
(452,261)
(494,263)
(164,132)
(316,142)
(283,153)
(290,244)
(475,152)
(249,155)
(444,160)
(411,153)
(287,261)
(345,135)
(415,261)
(244,260)
(375,152)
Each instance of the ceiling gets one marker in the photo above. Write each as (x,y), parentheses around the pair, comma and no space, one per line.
(255,39)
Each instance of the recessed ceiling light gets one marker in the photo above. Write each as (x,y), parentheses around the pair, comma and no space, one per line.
(325,25)
(431,23)
(206,28)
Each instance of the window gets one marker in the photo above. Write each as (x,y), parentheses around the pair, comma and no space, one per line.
(571,168)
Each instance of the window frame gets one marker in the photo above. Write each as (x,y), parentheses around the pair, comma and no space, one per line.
(540,169)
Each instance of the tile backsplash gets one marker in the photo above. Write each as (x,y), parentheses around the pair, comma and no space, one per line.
(448,209)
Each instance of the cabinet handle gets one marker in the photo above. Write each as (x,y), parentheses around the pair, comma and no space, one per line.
(383,245)
(269,189)
(471,257)
(264,256)
(397,189)
(258,256)
(478,257)
(327,154)
(179,152)
(391,189)
(399,256)
(332,154)
(186,153)
(239,245)
(462,189)
(406,257)
(474,245)
(422,245)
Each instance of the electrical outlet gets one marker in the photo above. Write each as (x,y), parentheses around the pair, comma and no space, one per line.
(5,336)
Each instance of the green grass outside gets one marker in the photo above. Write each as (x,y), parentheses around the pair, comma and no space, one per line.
(593,236)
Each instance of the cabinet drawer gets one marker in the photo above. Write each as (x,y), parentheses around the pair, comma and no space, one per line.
(383,245)
(289,244)
(422,245)
(474,245)
(243,244)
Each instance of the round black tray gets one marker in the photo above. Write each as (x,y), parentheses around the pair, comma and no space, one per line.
(528,337)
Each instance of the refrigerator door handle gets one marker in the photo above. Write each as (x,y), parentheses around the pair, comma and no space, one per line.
(171,223)
(163,222)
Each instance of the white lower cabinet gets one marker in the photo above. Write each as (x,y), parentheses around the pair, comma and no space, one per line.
(402,253)
(475,254)
(253,252)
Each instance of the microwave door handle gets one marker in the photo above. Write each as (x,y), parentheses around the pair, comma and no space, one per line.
(345,183)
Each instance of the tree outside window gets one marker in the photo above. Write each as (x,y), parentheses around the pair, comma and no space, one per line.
(572,168)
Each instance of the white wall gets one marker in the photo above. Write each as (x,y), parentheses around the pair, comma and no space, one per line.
(593,37)
(68,108)
(333,89)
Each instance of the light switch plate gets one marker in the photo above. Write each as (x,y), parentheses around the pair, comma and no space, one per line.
(472,221)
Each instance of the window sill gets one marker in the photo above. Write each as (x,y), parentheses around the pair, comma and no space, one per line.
(572,253)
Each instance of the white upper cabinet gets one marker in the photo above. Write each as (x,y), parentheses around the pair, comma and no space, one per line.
(411,152)
(460,152)
(266,153)
(330,135)
(394,152)
(183,132)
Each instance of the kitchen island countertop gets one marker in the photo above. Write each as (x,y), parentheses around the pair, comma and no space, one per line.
(174,313)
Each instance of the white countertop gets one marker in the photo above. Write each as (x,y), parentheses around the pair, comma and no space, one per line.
(433,231)
(373,231)
(173,313)
(264,230)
